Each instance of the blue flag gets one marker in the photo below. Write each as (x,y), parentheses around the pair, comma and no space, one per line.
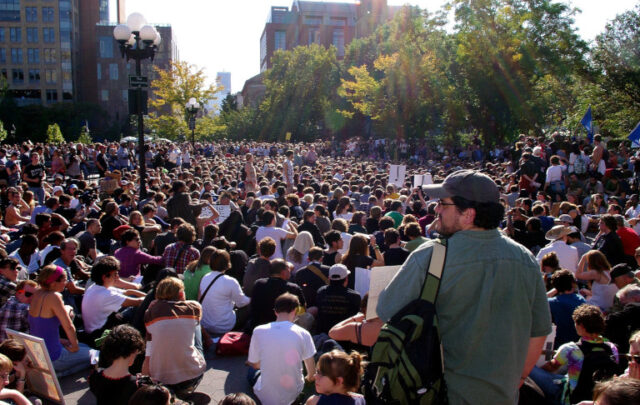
(634,136)
(587,123)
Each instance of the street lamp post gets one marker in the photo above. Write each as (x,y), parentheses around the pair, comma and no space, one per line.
(192,108)
(138,41)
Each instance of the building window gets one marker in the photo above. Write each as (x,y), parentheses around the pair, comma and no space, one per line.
(263,46)
(31,14)
(314,36)
(16,34)
(340,22)
(99,70)
(49,55)
(3,55)
(51,76)
(33,55)
(338,41)
(48,35)
(9,10)
(312,20)
(32,35)
(113,71)
(280,40)
(52,95)
(106,47)
(1,34)
(34,75)
(17,76)
(104,95)
(16,56)
(3,74)
(47,14)
(125,95)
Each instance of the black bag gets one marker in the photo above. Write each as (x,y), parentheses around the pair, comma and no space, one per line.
(598,365)
(406,364)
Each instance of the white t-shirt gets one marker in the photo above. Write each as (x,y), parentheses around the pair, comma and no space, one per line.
(217,308)
(278,234)
(280,348)
(98,303)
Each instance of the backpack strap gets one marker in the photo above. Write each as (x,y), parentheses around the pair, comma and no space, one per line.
(210,284)
(179,255)
(431,284)
(318,273)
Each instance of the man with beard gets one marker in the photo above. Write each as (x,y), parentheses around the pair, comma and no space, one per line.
(491,294)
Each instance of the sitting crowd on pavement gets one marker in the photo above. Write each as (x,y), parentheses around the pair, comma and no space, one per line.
(267,240)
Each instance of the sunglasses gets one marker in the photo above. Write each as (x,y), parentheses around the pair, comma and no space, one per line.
(631,358)
(26,293)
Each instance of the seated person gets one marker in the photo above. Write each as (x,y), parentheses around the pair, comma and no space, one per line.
(6,366)
(336,301)
(313,276)
(591,356)
(622,323)
(395,254)
(17,353)
(112,384)
(104,303)
(266,290)
(172,356)
(280,382)
(15,313)
(154,394)
(562,306)
(338,379)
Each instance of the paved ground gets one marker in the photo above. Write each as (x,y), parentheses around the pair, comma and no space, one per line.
(224,375)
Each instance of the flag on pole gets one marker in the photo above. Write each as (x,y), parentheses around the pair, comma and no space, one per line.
(587,123)
(634,136)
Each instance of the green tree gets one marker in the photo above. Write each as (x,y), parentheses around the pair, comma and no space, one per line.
(229,103)
(3,132)
(166,126)
(175,86)
(85,136)
(300,93)
(54,135)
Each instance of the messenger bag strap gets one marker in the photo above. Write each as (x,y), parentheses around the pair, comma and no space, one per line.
(210,284)
(180,252)
(431,284)
(318,273)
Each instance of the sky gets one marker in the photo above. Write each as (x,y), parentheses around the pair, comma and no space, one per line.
(224,35)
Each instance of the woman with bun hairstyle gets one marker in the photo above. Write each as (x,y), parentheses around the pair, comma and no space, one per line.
(47,313)
(337,379)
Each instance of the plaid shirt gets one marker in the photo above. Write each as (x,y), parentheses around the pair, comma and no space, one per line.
(7,289)
(14,315)
(187,254)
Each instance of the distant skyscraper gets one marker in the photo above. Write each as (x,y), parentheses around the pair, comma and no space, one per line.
(223,79)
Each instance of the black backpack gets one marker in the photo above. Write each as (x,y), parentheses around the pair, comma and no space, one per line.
(406,364)
(598,365)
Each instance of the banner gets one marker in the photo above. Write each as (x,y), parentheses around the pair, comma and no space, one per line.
(380,278)
(634,137)
(587,123)
(422,179)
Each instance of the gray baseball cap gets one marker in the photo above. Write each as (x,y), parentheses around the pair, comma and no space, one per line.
(468,184)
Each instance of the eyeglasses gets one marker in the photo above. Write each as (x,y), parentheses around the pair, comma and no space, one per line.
(26,293)
(631,358)
(444,204)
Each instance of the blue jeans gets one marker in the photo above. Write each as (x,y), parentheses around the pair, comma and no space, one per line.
(39,193)
(69,363)
(551,384)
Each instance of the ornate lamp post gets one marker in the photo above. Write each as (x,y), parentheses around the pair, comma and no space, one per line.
(138,41)
(192,108)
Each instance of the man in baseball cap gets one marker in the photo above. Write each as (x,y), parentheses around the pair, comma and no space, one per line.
(491,293)
(336,302)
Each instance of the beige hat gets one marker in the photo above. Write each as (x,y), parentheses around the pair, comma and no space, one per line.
(303,242)
(557,232)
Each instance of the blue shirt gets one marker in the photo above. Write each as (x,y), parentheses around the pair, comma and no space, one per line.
(562,307)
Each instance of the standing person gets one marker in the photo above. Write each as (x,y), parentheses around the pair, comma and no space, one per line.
(34,174)
(280,382)
(287,169)
(501,306)
(251,180)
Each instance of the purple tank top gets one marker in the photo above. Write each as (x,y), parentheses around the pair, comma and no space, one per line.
(48,330)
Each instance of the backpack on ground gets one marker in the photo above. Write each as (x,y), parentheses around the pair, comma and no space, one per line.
(406,363)
(597,365)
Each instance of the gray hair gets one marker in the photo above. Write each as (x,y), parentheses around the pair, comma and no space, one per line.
(629,294)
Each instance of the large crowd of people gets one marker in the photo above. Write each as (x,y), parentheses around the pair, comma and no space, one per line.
(266,239)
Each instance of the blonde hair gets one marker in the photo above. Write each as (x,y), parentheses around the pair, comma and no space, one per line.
(6,365)
(169,289)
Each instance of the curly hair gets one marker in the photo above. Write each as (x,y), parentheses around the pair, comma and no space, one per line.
(590,317)
(121,342)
